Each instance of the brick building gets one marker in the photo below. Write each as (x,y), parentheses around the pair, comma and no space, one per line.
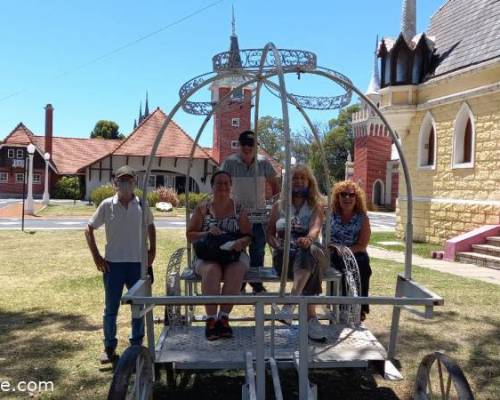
(440,90)
(94,160)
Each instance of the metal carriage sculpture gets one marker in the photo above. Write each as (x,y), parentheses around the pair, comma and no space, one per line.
(263,346)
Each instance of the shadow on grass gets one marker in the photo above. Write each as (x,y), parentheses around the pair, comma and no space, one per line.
(32,342)
(340,383)
(480,362)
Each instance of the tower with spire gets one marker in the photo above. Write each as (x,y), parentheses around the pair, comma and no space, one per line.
(235,117)
(372,149)
(142,116)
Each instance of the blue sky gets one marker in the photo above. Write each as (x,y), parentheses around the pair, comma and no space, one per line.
(52,52)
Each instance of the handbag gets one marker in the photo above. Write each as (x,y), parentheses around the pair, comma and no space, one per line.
(208,248)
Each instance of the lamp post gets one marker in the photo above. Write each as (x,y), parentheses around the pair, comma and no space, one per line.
(29,200)
(46,197)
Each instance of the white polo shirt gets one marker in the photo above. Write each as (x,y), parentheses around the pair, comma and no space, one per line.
(123,228)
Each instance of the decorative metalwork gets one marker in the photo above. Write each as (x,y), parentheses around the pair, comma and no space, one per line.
(350,313)
(173,316)
(250,60)
(293,61)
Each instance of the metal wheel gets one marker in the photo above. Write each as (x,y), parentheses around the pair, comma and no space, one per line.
(173,286)
(133,377)
(440,377)
(350,313)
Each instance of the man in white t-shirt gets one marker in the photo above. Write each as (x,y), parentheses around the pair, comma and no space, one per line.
(121,216)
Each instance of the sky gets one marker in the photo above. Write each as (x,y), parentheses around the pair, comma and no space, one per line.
(96,59)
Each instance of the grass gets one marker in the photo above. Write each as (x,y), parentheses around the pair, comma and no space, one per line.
(70,210)
(419,248)
(51,316)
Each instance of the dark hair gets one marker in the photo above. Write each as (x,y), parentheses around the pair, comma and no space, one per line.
(220,172)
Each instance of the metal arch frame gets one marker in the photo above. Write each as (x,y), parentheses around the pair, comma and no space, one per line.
(145,286)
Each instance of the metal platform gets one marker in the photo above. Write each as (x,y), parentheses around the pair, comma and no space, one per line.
(187,348)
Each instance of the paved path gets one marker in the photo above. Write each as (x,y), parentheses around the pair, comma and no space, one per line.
(460,269)
(382,221)
(75,223)
(378,221)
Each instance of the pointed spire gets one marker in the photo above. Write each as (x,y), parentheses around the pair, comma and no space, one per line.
(135,124)
(409,20)
(140,113)
(146,108)
(233,23)
(374,85)
(234,49)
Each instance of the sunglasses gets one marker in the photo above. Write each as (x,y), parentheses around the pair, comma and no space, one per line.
(347,194)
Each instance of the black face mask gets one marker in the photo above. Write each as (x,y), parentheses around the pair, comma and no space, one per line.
(302,192)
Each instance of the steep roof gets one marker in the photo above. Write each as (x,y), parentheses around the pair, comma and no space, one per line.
(20,135)
(467,32)
(174,143)
(71,155)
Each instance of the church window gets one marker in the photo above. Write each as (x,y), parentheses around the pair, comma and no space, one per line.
(464,138)
(427,143)
(235,122)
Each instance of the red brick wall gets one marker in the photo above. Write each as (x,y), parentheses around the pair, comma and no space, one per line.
(371,154)
(13,189)
(224,132)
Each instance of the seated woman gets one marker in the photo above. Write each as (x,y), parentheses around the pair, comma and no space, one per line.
(306,259)
(350,227)
(218,216)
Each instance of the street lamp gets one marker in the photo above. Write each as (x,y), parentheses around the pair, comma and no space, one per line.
(29,200)
(46,197)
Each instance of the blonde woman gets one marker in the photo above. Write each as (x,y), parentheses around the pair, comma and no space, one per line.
(350,227)
(307,259)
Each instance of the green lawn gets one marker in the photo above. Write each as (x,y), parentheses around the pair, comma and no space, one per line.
(68,210)
(419,248)
(51,314)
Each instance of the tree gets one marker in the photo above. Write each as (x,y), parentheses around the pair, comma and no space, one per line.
(270,135)
(338,141)
(106,130)
(271,138)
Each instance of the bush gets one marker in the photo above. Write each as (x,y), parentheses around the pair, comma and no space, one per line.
(68,187)
(101,193)
(108,190)
(168,195)
(152,197)
(193,199)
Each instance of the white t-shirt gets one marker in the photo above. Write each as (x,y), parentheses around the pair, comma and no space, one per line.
(123,228)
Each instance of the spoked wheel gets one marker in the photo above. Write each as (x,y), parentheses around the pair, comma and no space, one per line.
(439,377)
(133,377)
(173,314)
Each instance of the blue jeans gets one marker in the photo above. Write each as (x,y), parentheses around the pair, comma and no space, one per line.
(119,275)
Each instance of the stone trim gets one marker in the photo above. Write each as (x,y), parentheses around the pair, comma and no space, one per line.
(449,200)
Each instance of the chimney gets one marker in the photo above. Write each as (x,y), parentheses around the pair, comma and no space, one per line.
(49,110)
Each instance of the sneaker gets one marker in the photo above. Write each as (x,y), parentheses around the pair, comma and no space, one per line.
(315,330)
(286,314)
(108,356)
(211,329)
(225,331)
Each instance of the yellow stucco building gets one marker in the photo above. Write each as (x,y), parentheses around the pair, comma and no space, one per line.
(440,90)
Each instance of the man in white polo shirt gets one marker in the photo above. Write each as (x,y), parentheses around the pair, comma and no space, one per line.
(121,216)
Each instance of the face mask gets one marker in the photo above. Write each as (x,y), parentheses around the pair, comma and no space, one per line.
(302,192)
(125,188)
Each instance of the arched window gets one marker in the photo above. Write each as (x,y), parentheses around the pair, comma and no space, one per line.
(378,193)
(464,138)
(427,143)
